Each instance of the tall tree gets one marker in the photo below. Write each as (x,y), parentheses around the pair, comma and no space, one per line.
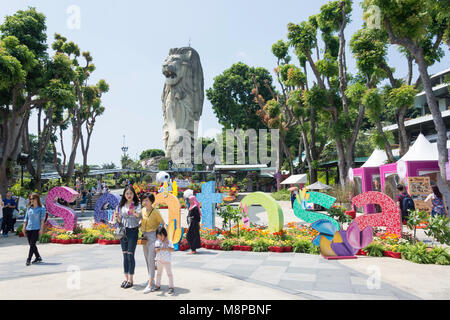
(331,75)
(420,26)
(26,75)
(92,109)
(86,109)
(231,96)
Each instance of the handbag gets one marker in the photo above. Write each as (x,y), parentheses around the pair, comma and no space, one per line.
(120,231)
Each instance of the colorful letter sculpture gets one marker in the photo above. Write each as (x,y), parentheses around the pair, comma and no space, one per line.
(321,199)
(389,216)
(100,214)
(175,230)
(273,209)
(208,198)
(332,242)
(67,214)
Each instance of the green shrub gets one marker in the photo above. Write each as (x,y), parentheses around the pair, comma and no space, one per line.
(302,245)
(282,195)
(228,244)
(19,229)
(45,238)
(314,250)
(260,245)
(89,238)
(416,253)
(437,229)
(440,255)
(375,249)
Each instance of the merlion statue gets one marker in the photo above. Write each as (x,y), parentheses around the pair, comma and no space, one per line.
(182,97)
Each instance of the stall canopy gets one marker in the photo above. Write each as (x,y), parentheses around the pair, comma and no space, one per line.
(318,186)
(421,150)
(296,179)
(378,158)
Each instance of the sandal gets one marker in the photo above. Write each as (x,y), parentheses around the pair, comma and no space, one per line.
(128,285)
(123,284)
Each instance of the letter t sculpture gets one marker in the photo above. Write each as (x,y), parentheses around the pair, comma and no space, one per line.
(208,199)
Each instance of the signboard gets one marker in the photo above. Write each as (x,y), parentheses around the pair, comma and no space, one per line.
(182,183)
(419,188)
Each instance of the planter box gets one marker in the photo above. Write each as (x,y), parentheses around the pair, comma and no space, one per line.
(361,253)
(351,213)
(80,241)
(117,241)
(21,235)
(287,249)
(68,241)
(52,240)
(246,248)
(276,249)
(237,248)
(397,255)
(217,248)
(74,241)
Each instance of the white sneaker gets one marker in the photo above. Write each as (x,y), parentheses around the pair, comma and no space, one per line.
(148,289)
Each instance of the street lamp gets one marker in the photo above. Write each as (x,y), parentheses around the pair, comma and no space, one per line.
(124,147)
(22,159)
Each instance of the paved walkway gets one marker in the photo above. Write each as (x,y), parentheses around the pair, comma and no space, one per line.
(216,275)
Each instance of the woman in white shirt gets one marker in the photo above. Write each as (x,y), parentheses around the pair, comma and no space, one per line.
(129,214)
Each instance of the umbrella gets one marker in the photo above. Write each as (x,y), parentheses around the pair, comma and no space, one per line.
(293,189)
(318,186)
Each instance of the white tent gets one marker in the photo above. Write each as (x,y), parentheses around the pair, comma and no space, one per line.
(296,179)
(318,186)
(421,150)
(378,158)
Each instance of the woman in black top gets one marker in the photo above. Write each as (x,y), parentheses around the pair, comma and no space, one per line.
(194,217)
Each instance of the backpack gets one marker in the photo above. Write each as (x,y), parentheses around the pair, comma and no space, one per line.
(407,204)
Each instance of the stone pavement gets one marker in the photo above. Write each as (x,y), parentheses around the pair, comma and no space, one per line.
(215,275)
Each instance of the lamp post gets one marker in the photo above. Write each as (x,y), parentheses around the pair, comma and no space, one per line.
(124,147)
(22,160)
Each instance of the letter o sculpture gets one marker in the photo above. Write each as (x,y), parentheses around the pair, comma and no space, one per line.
(273,209)
(67,214)
(99,213)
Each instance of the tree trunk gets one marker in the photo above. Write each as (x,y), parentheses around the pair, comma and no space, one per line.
(434,108)
(402,134)
(387,145)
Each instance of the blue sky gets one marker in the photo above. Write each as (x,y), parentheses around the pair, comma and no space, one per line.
(129,41)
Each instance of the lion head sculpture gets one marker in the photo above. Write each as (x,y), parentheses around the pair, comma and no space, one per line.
(182,97)
(184,74)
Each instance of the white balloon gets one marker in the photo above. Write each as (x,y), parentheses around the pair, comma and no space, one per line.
(350,174)
(401,169)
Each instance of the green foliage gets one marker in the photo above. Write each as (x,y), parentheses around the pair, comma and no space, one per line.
(280,49)
(45,238)
(282,195)
(260,245)
(438,229)
(232,99)
(374,103)
(375,249)
(414,219)
(228,244)
(402,97)
(328,66)
(338,213)
(150,153)
(418,253)
(302,245)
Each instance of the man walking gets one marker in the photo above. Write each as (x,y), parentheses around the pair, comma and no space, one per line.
(8,209)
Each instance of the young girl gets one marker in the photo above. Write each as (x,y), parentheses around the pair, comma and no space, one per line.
(129,214)
(151,220)
(163,249)
(438,204)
